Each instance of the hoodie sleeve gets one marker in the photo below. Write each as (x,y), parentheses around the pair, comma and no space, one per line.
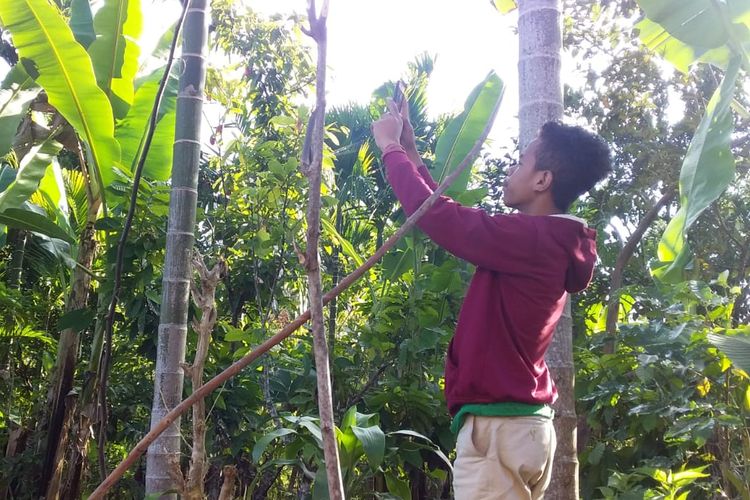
(582,259)
(500,243)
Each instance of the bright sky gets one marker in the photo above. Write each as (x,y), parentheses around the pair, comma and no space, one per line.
(371,42)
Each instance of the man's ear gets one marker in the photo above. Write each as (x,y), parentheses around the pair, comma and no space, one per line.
(543,180)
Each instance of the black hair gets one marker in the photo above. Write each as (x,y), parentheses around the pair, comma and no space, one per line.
(577,158)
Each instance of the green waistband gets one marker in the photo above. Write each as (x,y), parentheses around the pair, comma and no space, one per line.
(500,410)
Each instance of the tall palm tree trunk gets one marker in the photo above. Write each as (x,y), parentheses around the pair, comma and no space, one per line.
(541,100)
(164,453)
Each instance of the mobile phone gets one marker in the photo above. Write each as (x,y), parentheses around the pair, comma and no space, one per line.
(398,93)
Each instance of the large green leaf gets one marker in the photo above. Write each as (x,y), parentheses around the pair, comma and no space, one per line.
(14,103)
(7,175)
(686,31)
(262,443)
(330,231)
(61,66)
(17,78)
(32,221)
(52,187)
(397,487)
(130,132)
(464,130)
(373,442)
(30,172)
(736,348)
(706,172)
(114,54)
(82,22)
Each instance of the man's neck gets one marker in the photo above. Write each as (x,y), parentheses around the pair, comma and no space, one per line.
(540,206)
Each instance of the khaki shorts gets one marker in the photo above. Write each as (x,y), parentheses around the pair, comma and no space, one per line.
(508,458)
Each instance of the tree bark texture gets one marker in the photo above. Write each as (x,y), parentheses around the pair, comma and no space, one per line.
(67,354)
(228,486)
(168,379)
(312,162)
(541,100)
(204,299)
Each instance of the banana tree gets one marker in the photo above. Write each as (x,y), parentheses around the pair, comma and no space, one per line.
(687,33)
(88,70)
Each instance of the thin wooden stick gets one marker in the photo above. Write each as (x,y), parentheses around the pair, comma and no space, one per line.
(285,332)
(312,258)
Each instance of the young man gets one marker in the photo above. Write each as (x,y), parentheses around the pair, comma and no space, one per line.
(497,385)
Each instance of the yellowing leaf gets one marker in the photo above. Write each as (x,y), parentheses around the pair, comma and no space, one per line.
(505,6)
(703,387)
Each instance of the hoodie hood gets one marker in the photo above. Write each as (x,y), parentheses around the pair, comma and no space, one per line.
(579,241)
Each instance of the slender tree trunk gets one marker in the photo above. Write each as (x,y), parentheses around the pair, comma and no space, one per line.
(204,298)
(623,258)
(67,353)
(86,414)
(541,100)
(312,161)
(164,453)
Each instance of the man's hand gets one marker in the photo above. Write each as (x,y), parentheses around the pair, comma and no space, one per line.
(408,140)
(387,131)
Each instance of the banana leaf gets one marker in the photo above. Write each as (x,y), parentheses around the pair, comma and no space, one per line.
(82,22)
(115,52)
(735,347)
(689,31)
(463,131)
(30,171)
(131,131)
(32,221)
(13,106)
(60,65)
(706,172)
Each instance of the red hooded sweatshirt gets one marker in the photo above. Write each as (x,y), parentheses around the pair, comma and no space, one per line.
(525,264)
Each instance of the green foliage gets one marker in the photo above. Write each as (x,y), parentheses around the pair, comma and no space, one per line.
(33,221)
(15,104)
(664,413)
(687,31)
(51,55)
(130,131)
(82,22)
(736,347)
(670,387)
(706,172)
(462,132)
(115,52)
(31,170)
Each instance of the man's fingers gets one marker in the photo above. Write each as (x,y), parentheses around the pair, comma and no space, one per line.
(405,109)
(392,108)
